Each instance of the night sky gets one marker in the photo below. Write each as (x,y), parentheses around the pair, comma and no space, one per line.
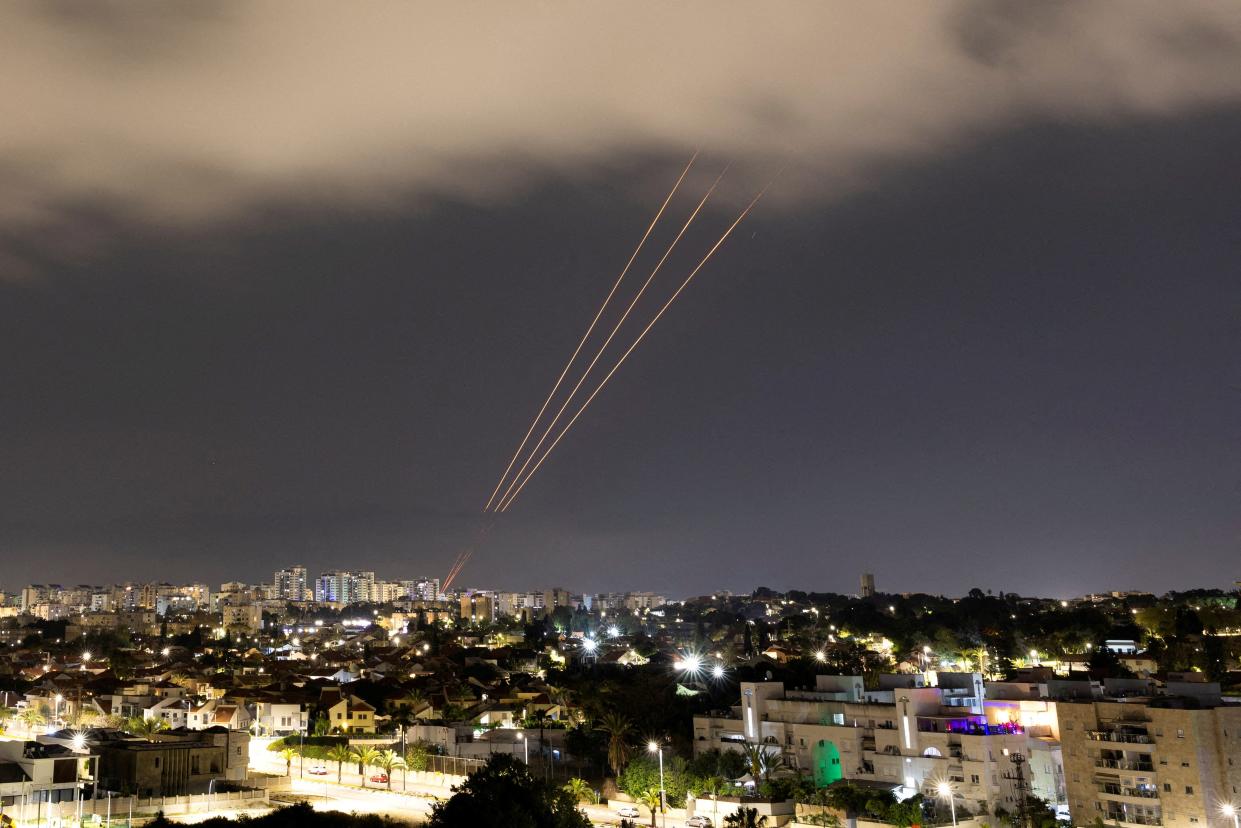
(272,291)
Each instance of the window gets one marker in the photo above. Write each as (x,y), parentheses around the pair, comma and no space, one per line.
(974,779)
(1184,764)
(1189,790)
(157,761)
(1180,733)
(1167,787)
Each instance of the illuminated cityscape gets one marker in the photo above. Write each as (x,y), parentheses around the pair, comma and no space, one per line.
(554,414)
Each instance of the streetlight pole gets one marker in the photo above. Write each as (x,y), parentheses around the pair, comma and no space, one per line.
(525,747)
(654,747)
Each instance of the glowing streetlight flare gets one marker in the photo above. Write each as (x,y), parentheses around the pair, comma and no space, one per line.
(717,671)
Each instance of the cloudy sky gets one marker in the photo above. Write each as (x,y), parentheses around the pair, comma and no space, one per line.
(286,282)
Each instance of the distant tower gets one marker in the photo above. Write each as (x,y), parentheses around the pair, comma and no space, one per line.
(868,585)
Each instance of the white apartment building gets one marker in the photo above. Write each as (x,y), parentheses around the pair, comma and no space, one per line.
(903,735)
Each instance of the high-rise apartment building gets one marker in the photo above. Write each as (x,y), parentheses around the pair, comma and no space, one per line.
(290,584)
(344,587)
(868,585)
(1140,758)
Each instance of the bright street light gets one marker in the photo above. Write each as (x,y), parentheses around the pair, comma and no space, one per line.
(1230,810)
(655,747)
(717,671)
(589,645)
(945,792)
(820,656)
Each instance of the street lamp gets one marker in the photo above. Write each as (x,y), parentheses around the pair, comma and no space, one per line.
(56,713)
(1230,810)
(655,747)
(945,792)
(525,747)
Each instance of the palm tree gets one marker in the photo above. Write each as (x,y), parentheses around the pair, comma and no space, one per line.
(651,800)
(761,759)
(713,786)
(32,717)
(388,761)
(287,755)
(145,728)
(580,790)
(415,700)
(619,728)
(745,818)
(364,755)
(340,754)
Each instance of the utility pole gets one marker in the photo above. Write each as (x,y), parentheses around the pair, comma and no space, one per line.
(1018,776)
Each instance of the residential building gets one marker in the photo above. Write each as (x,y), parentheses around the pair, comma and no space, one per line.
(903,735)
(344,587)
(1142,756)
(291,584)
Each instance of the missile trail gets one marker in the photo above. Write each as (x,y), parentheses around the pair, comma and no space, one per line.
(615,329)
(590,328)
(465,554)
(508,501)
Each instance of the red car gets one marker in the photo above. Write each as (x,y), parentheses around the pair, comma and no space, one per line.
(380,778)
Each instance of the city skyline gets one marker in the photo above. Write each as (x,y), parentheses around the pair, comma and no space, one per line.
(981,331)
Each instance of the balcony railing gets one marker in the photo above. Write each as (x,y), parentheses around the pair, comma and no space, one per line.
(1127,738)
(1131,819)
(1120,764)
(1121,790)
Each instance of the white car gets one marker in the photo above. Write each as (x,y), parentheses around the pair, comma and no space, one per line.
(628,812)
(698,822)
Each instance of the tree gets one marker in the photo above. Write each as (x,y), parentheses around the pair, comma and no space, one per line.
(340,754)
(144,728)
(321,726)
(32,717)
(762,759)
(388,761)
(287,755)
(580,790)
(650,800)
(416,756)
(713,786)
(503,794)
(364,755)
(745,818)
(619,728)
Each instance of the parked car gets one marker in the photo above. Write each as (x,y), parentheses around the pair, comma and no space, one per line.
(380,778)
(317,770)
(627,811)
(698,822)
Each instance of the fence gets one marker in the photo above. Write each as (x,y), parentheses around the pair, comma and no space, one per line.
(123,809)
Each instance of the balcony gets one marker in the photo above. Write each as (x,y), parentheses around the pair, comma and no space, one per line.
(1125,738)
(1109,789)
(1124,765)
(1131,819)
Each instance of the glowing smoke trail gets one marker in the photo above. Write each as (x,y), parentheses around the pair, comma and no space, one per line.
(602,348)
(508,501)
(589,330)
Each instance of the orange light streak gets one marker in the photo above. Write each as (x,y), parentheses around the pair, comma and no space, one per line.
(508,500)
(615,329)
(590,329)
